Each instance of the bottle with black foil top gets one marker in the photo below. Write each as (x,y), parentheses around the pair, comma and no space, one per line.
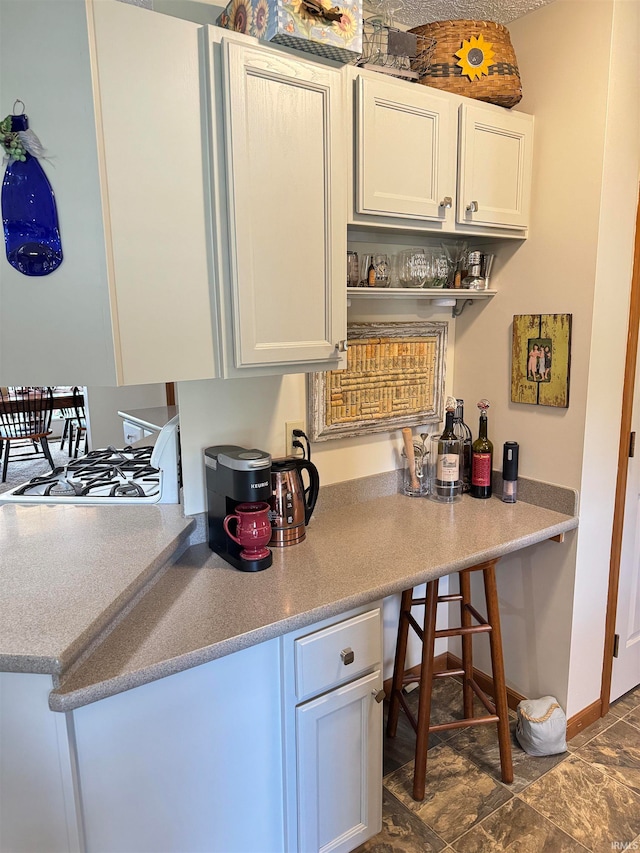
(444,460)
(463,433)
(482,458)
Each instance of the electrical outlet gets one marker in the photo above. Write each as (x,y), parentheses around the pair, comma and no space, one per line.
(289,438)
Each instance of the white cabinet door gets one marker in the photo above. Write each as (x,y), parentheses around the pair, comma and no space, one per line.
(191,763)
(495,167)
(406,151)
(130,303)
(285,156)
(340,767)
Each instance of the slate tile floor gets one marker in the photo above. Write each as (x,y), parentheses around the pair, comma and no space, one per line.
(588,798)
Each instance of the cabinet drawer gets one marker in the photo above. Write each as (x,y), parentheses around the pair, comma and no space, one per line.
(322,658)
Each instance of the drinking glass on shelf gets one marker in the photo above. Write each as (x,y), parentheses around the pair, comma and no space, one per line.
(382,270)
(412,268)
(437,269)
(353,272)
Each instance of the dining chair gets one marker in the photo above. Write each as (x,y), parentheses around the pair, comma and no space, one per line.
(25,421)
(69,415)
(79,428)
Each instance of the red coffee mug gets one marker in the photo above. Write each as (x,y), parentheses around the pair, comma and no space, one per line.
(253,529)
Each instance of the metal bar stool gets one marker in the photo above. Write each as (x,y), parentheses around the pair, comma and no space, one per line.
(498,709)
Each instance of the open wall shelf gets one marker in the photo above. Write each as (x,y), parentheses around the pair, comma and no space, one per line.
(456,299)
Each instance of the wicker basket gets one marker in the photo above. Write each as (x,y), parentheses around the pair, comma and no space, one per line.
(502,83)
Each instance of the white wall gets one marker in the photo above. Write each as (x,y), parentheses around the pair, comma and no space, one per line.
(577,260)
(103,405)
(252,413)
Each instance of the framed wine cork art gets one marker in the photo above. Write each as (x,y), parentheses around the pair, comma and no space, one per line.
(541,359)
(394,378)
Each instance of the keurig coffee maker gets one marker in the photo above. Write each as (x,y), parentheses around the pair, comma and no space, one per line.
(238,487)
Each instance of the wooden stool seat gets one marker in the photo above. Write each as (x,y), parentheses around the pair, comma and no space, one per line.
(498,711)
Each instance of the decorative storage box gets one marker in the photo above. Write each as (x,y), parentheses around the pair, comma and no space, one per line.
(314,26)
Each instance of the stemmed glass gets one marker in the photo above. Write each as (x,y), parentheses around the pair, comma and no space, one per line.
(455,253)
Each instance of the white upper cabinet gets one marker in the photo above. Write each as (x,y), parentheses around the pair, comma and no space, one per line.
(113,92)
(406,166)
(432,161)
(495,167)
(280,125)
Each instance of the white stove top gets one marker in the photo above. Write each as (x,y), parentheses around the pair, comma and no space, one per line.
(110,475)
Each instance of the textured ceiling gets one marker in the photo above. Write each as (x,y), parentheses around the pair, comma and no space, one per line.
(415,12)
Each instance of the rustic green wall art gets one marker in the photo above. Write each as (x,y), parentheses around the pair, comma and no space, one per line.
(540,359)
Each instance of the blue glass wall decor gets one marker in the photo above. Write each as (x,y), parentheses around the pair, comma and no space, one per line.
(29,214)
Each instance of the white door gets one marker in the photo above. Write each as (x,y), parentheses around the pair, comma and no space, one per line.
(339,739)
(495,167)
(626,666)
(286,173)
(405,150)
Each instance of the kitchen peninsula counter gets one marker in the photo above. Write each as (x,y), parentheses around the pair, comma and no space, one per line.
(355,552)
(66,572)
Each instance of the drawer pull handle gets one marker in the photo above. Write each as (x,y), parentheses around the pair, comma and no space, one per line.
(447,202)
(473,207)
(347,656)
(378,695)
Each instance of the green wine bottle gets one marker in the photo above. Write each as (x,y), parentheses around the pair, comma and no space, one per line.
(482,458)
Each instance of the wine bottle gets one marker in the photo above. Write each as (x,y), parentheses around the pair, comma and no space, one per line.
(482,458)
(447,479)
(371,275)
(463,433)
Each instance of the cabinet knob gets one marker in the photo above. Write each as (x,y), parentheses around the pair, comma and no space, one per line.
(347,656)
(378,695)
(472,207)
(447,201)
(341,346)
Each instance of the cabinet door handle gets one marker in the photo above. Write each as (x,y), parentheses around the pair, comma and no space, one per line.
(473,207)
(378,695)
(347,656)
(341,346)
(447,201)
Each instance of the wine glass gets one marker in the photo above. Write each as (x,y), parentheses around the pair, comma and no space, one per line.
(412,267)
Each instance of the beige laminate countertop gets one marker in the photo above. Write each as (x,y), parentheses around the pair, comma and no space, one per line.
(201,608)
(67,571)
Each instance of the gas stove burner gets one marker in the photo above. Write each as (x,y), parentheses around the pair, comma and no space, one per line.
(44,480)
(62,488)
(110,475)
(127,490)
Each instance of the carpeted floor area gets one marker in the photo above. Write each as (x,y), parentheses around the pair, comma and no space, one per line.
(21,470)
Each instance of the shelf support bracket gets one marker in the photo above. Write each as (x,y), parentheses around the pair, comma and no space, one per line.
(459,307)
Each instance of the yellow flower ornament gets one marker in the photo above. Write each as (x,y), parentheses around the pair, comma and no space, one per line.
(475,57)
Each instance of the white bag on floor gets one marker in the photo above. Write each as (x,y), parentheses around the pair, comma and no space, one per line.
(541,727)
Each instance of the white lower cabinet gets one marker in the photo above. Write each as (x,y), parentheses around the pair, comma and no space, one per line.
(333,740)
(220,758)
(339,746)
(191,763)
